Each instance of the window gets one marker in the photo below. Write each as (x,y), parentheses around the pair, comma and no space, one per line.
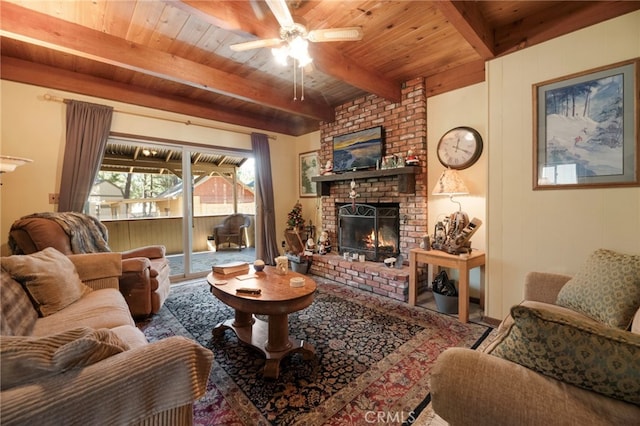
(138,181)
(139,195)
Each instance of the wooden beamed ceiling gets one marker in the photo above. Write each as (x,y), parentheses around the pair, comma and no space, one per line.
(175,55)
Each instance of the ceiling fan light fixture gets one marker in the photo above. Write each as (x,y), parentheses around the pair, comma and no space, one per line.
(298,50)
(281,54)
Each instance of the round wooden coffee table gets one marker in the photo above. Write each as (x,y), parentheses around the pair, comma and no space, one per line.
(277,299)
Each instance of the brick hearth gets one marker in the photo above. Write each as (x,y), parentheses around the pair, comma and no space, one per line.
(405,128)
(369,276)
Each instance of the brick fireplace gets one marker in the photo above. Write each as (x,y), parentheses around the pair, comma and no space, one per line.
(404,126)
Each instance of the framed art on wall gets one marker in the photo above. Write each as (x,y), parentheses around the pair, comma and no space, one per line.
(586,129)
(308,167)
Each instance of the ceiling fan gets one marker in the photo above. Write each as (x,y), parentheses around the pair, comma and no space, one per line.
(294,36)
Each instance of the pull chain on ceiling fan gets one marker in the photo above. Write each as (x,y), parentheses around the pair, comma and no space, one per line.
(294,40)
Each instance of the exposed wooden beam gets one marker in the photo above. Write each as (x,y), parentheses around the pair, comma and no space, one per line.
(332,62)
(465,16)
(239,15)
(40,75)
(233,16)
(36,28)
(455,78)
(562,19)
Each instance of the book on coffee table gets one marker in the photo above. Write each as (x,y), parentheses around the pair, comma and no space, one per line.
(231,268)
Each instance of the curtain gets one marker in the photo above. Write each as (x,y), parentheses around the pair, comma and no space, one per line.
(266,239)
(88,128)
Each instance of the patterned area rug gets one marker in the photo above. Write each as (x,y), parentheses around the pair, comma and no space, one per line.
(373,357)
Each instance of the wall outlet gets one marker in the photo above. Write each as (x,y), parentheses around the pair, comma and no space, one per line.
(54,198)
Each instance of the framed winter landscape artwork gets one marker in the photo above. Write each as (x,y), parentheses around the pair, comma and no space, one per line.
(308,167)
(586,129)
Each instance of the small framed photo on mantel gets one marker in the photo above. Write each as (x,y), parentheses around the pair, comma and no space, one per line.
(586,129)
(308,167)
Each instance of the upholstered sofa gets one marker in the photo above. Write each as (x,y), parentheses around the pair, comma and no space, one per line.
(144,281)
(569,354)
(72,355)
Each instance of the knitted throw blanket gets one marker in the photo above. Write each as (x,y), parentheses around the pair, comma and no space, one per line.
(86,233)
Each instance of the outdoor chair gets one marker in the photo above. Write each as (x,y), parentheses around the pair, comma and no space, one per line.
(232,231)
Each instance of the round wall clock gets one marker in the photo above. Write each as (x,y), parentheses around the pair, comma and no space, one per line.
(460,148)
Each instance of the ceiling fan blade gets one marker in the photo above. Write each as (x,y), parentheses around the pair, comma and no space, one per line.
(280,10)
(255,44)
(336,34)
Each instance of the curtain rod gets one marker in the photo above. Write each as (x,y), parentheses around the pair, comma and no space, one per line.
(50,97)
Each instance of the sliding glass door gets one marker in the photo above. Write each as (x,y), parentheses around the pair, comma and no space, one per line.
(141,196)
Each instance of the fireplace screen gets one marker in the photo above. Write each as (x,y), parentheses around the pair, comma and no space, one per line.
(371,230)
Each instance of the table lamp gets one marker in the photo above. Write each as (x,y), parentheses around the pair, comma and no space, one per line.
(450,183)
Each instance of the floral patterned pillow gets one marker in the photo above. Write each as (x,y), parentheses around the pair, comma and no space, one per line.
(564,346)
(607,288)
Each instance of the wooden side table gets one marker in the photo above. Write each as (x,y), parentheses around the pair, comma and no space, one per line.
(439,258)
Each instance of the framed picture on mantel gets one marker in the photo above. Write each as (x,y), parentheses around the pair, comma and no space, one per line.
(586,129)
(308,167)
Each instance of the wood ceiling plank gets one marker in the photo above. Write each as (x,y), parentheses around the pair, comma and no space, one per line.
(33,27)
(187,41)
(563,18)
(327,59)
(117,17)
(143,21)
(171,23)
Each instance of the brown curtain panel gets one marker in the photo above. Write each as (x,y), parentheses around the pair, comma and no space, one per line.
(88,127)
(266,239)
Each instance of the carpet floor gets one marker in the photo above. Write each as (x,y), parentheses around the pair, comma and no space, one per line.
(373,357)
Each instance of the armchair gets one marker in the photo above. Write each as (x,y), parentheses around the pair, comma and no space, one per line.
(232,230)
(145,271)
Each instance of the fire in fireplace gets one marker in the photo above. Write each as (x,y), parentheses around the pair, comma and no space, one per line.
(371,230)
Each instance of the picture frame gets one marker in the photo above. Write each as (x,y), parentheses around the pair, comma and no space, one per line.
(308,167)
(586,129)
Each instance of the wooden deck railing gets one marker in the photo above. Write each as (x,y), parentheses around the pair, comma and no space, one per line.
(131,233)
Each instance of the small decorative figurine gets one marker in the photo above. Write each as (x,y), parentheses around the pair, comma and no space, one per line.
(328,168)
(282,265)
(324,245)
(385,163)
(311,245)
(412,159)
(353,194)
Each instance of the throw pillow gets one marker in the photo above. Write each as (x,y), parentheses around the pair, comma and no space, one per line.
(49,277)
(89,349)
(24,359)
(607,288)
(17,316)
(592,356)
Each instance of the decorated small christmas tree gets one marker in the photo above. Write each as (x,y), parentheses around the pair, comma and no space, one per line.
(295,220)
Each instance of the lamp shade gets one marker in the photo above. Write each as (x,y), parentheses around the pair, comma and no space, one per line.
(9,163)
(450,183)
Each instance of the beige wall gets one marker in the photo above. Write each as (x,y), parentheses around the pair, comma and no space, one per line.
(548,230)
(463,107)
(33,127)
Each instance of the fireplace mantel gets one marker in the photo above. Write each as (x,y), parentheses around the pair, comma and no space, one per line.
(406,178)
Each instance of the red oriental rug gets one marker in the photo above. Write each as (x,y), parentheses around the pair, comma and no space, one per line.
(372,365)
